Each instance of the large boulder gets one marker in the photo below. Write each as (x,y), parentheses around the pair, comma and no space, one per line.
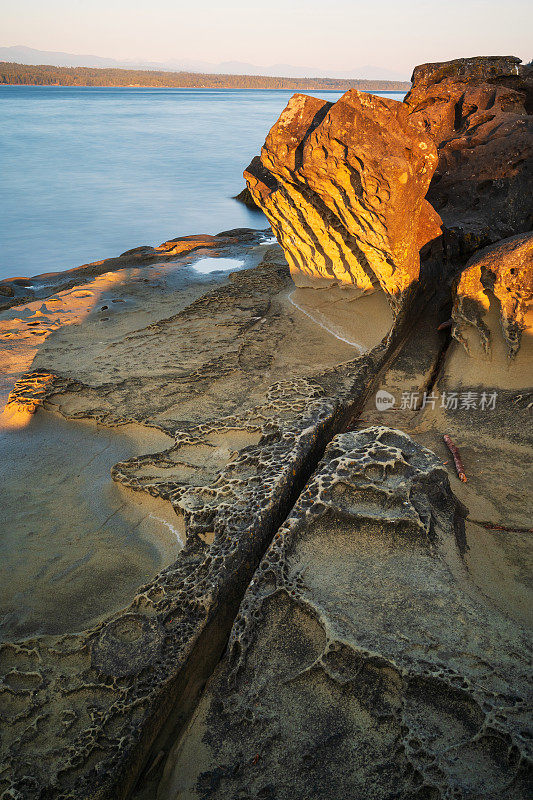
(355,192)
(343,186)
(478,111)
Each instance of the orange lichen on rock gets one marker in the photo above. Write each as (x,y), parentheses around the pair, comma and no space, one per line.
(343,186)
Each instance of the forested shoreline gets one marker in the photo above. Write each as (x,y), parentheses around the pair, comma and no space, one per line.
(46,75)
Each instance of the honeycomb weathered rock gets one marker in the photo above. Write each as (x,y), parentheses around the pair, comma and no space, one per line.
(506,270)
(363,662)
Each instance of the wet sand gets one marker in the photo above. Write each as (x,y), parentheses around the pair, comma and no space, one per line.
(357,319)
(74,544)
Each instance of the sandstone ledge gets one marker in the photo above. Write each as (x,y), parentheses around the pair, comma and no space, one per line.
(246,438)
(363,662)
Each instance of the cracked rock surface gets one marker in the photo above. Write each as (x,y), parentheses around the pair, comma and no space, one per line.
(249,390)
(364,663)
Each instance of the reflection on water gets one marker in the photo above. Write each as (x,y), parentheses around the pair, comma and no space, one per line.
(207,265)
(73,544)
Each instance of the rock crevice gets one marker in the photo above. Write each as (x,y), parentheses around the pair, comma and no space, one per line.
(359,659)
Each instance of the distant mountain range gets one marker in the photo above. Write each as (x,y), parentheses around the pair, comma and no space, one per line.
(28,55)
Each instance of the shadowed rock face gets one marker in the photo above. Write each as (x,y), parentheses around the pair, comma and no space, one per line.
(343,186)
(363,662)
(506,270)
(478,111)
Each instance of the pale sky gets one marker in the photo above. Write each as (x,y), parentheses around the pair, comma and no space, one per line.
(330,34)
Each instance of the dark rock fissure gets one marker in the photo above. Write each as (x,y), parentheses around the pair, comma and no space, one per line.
(317,119)
(211,646)
(439,362)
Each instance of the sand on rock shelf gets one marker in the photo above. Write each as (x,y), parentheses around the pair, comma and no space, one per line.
(75,545)
(235,390)
(343,616)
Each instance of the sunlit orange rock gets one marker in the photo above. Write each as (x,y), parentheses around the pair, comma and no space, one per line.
(343,186)
(504,270)
(186,244)
(26,397)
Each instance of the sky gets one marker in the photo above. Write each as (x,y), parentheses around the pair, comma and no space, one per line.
(330,34)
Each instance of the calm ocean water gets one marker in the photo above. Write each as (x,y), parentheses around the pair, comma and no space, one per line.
(86,173)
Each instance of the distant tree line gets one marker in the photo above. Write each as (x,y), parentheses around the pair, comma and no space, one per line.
(44,75)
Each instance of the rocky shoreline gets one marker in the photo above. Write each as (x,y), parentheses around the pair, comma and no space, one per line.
(377,607)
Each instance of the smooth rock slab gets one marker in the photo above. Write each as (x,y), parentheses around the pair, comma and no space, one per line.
(363,662)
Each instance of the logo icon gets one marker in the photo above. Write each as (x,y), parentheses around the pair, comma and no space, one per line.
(384,400)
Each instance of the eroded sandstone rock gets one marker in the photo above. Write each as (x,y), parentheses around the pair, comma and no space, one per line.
(343,186)
(246,198)
(30,391)
(481,403)
(251,390)
(504,270)
(331,176)
(363,655)
(363,662)
(478,111)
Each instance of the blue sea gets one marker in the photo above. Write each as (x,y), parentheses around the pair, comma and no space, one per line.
(87,173)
